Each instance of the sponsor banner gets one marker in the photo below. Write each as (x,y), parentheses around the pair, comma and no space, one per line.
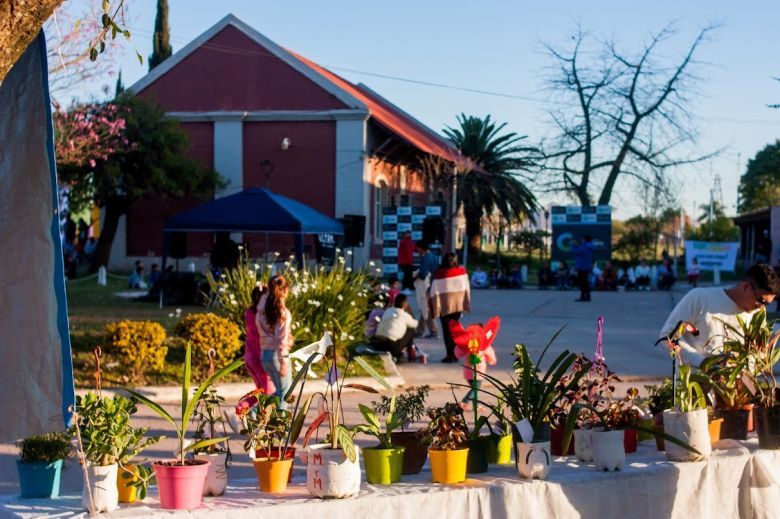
(573,223)
(389,218)
(722,255)
(389,235)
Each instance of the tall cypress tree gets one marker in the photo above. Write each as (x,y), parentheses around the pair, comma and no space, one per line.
(161,46)
(120,87)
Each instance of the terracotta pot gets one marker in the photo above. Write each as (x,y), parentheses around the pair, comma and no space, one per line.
(691,428)
(272,474)
(416,452)
(127,494)
(181,486)
(750,424)
(609,453)
(273,453)
(102,483)
(448,466)
(533,460)
(330,474)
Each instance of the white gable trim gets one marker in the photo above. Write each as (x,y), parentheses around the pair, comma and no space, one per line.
(258,38)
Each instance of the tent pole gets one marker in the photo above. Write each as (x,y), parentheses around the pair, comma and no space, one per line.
(166,239)
(299,249)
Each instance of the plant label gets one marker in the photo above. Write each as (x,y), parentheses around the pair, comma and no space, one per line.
(525,430)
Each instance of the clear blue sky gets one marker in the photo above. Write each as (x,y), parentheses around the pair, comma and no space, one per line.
(496,46)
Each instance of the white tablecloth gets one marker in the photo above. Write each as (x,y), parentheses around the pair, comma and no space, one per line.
(736,482)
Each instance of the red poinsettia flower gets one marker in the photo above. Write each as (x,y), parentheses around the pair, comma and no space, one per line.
(474,339)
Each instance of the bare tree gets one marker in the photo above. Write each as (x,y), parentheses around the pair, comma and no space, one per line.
(619,115)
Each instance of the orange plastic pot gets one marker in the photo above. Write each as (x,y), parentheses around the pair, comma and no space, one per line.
(272,474)
(448,466)
(714,428)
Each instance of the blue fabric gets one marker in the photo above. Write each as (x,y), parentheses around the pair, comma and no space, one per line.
(583,256)
(272,365)
(428,265)
(254,210)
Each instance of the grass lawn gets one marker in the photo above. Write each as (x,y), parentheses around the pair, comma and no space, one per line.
(91,307)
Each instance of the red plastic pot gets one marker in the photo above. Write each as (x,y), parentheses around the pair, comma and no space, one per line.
(556,442)
(630,438)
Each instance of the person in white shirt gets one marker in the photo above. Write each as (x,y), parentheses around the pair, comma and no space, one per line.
(642,274)
(395,332)
(708,308)
(479,279)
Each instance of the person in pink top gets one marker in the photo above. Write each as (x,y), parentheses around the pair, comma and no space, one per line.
(252,357)
(274,322)
(488,357)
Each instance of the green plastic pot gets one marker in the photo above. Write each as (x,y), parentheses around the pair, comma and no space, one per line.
(383,466)
(500,449)
(477,462)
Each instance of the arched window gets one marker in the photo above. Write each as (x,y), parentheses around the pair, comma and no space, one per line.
(380,201)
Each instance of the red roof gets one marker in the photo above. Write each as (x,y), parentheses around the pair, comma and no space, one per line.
(391,117)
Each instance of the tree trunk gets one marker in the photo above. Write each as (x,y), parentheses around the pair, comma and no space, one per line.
(115,208)
(473,228)
(20,22)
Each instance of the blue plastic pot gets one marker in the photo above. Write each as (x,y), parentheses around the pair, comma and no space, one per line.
(39,479)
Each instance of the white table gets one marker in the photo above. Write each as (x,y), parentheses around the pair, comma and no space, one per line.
(736,482)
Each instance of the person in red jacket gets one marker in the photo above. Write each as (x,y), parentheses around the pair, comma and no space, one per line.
(405,262)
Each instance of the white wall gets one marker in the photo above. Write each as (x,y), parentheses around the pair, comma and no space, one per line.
(352,177)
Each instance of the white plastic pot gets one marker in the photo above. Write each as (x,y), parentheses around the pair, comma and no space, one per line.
(583,444)
(691,428)
(608,451)
(216,478)
(329,473)
(102,483)
(533,459)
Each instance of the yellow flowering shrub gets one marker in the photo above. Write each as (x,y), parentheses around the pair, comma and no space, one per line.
(206,331)
(139,344)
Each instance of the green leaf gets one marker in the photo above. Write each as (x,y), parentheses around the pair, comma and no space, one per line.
(370,416)
(126,34)
(154,406)
(347,445)
(105,5)
(140,58)
(301,375)
(105,20)
(93,53)
(373,373)
(205,385)
(204,443)
(297,423)
(185,387)
(77,24)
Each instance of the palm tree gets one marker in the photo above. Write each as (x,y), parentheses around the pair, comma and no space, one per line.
(493,184)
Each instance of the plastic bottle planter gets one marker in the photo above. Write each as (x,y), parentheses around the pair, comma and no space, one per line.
(181,486)
(583,444)
(216,477)
(533,459)
(383,466)
(609,452)
(39,479)
(330,474)
(102,483)
(691,428)
(768,426)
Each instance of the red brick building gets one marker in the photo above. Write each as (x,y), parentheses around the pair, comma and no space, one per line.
(253,108)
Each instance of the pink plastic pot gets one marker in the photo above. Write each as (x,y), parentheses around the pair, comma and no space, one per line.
(181,487)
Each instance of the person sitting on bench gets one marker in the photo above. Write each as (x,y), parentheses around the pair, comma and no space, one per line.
(396,330)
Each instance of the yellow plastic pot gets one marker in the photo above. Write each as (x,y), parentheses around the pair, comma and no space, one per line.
(272,474)
(127,494)
(448,466)
(714,428)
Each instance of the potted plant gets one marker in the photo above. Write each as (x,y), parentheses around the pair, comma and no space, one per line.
(447,436)
(728,375)
(531,397)
(133,480)
(384,462)
(208,417)
(764,353)
(40,464)
(180,481)
(106,437)
(268,431)
(409,408)
(688,420)
(500,440)
(333,467)
(660,398)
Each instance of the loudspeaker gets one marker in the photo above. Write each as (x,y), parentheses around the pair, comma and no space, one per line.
(177,245)
(433,230)
(354,229)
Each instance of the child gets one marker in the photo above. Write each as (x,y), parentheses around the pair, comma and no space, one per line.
(694,273)
(252,357)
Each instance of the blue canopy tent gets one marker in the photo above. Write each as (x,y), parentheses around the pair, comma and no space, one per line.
(255,210)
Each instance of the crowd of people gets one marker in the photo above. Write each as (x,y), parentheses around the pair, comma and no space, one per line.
(617,276)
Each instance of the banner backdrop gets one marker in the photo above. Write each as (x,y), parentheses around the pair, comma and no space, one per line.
(36,375)
(712,254)
(574,222)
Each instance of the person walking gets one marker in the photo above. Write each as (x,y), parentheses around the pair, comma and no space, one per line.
(405,262)
(450,296)
(273,322)
(252,354)
(583,262)
(422,282)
